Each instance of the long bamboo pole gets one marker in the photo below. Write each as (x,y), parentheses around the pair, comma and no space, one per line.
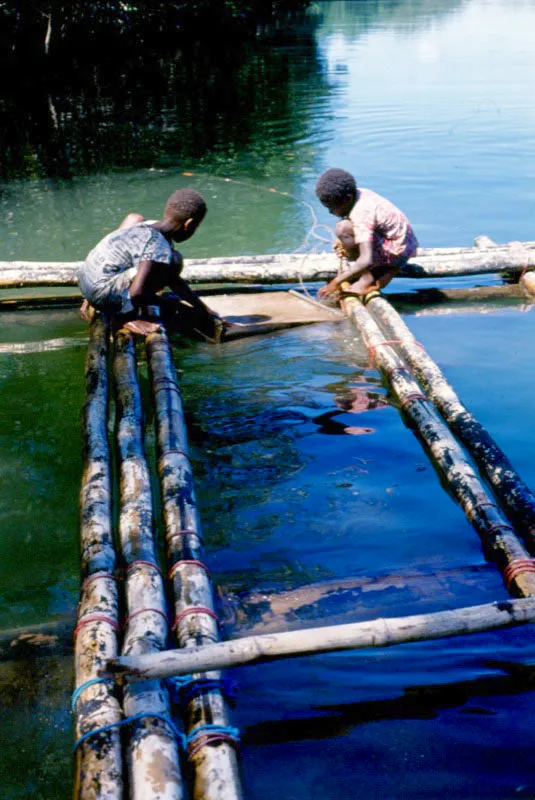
(514,495)
(152,755)
(290,267)
(374,633)
(98,767)
(214,758)
(498,537)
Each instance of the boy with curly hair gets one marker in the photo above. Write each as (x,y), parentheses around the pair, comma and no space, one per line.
(129,266)
(374,235)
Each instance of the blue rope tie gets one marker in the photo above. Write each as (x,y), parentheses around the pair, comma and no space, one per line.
(179,736)
(78,691)
(210,727)
(183,687)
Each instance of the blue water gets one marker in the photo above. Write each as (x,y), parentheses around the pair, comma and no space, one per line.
(430,104)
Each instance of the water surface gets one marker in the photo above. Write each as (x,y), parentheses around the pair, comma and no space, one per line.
(430,104)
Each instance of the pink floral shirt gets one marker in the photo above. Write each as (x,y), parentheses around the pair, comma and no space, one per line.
(380,222)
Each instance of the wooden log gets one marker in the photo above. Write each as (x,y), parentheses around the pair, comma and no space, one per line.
(98,767)
(292,267)
(152,755)
(516,499)
(97,547)
(375,633)
(499,539)
(214,759)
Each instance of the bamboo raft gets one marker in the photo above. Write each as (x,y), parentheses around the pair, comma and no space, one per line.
(136,731)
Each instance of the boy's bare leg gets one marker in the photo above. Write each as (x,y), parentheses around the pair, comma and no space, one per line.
(131,219)
(369,283)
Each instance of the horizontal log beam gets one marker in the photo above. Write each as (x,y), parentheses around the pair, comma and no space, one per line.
(360,635)
(294,267)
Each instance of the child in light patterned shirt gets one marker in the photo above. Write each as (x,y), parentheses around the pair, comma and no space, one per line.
(374,235)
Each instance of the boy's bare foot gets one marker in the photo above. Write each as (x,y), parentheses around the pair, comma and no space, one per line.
(85,311)
(141,327)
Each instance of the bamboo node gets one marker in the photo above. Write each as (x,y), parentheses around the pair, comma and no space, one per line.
(173,450)
(194,610)
(191,561)
(185,532)
(405,401)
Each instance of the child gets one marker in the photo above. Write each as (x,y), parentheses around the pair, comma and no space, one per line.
(374,235)
(130,265)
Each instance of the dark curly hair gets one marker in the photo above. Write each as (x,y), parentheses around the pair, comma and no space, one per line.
(334,186)
(185,204)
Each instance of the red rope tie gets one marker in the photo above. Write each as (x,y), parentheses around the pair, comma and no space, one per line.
(141,562)
(210,738)
(142,611)
(96,618)
(194,610)
(412,396)
(173,450)
(373,347)
(192,561)
(96,575)
(497,526)
(519,566)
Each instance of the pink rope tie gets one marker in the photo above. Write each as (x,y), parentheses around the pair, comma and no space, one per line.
(210,738)
(413,396)
(141,563)
(96,575)
(174,450)
(519,566)
(142,611)
(96,618)
(184,532)
(191,561)
(194,610)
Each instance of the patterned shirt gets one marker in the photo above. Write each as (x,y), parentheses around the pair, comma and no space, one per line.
(110,267)
(380,222)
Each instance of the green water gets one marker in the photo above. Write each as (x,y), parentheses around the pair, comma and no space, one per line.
(430,104)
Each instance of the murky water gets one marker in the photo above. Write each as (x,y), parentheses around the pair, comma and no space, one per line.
(429,103)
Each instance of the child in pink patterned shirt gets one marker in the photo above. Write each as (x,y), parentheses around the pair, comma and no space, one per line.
(374,235)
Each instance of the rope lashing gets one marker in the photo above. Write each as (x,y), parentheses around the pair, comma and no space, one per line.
(185,532)
(141,563)
(184,561)
(183,687)
(128,721)
(165,383)
(142,611)
(79,689)
(174,450)
(96,618)
(519,566)
(211,734)
(96,575)
(194,610)
(405,401)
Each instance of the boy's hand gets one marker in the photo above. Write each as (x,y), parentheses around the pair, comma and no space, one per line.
(85,311)
(330,290)
(339,249)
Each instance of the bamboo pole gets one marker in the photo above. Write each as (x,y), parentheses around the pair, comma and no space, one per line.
(293,267)
(498,537)
(334,638)
(152,755)
(515,497)
(214,759)
(98,766)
